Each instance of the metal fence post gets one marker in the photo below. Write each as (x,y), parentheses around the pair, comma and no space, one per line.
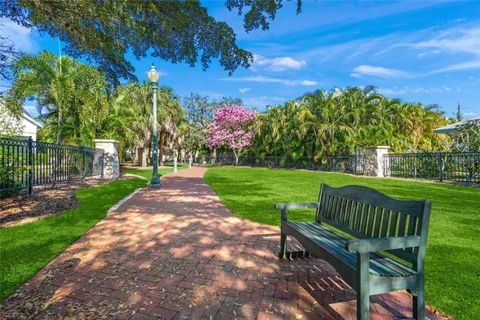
(30,165)
(84,173)
(440,168)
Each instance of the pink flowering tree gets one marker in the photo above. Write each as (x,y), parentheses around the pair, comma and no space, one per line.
(232,127)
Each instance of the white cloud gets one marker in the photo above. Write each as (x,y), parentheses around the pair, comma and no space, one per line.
(397,91)
(279,64)
(243,90)
(18,35)
(455,40)
(308,83)
(262,79)
(469,65)
(367,70)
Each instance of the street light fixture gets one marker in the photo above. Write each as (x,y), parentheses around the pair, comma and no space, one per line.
(153,77)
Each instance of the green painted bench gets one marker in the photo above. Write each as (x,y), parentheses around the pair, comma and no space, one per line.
(377,244)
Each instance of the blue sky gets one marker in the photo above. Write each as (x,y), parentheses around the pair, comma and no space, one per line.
(425,52)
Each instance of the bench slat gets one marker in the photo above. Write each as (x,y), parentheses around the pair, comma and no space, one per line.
(377,223)
(380,265)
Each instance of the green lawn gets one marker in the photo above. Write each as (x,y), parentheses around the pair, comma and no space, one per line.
(147,173)
(27,248)
(453,253)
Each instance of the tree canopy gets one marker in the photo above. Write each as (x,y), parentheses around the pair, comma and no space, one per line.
(71,96)
(325,123)
(175,31)
(232,127)
(130,119)
(467,136)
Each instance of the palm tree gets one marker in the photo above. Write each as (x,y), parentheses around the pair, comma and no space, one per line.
(322,123)
(71,96)
(132,108)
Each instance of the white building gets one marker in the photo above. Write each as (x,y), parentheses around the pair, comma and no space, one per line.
(24,126)
(29,126)
(451,128)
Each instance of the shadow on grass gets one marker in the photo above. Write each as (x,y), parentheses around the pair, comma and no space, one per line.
(179,252)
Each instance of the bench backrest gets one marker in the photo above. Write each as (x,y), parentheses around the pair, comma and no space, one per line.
(367,213)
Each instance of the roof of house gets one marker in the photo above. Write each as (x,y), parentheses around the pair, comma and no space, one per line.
(27,117)
(452,127)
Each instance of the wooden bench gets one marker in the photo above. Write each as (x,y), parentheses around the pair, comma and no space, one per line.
(377,244)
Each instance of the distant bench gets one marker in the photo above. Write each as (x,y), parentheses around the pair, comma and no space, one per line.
(380,245)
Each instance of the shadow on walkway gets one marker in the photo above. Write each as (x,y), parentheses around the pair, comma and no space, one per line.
(178,253)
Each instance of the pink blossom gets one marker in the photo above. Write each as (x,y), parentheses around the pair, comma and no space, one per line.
(232,128)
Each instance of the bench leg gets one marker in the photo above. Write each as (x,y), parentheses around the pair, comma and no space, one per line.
(419,299)
(363,287)
(283,246)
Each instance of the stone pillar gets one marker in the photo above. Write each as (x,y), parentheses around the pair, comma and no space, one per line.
(190,161)
(374,164)
(111,164)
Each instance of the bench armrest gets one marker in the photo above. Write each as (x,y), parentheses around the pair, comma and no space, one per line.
(294,205)
(378,244)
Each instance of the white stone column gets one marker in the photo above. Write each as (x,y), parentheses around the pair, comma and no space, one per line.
(374,164)
(111,164)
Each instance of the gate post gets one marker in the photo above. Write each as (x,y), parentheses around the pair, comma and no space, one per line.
(374,163)
(30,165)
(111,163)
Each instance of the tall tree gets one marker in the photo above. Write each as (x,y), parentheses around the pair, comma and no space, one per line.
(71,96)
(176,31)
(341,121)
(200,111)
(232,127)
(130,118)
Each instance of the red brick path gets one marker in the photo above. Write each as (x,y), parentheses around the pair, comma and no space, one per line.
(178,253)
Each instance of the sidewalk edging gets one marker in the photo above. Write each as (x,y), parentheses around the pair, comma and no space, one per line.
(121,202)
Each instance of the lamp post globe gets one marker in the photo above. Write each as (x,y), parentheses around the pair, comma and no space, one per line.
(153,77)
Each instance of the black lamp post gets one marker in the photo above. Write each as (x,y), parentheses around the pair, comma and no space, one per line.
(153,77)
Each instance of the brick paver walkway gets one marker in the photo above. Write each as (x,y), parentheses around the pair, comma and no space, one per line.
(178,253)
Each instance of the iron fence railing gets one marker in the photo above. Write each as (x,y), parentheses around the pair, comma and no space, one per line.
(25,163)
(441,166)
(449,166)
(339,163)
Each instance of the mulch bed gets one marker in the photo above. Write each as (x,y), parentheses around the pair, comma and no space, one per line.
(45,201)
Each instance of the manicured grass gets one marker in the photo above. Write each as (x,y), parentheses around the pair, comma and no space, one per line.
(453,252)
(25,249)
(147,173)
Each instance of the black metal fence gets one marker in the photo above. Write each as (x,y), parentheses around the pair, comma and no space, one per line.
(448,166)
(340,163)
(441,166)
(25,163)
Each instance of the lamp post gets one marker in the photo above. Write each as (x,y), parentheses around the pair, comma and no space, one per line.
(153,77)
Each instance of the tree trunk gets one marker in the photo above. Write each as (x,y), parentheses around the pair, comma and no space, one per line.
(138,157)
(143,157)
(236,157)
(59,125)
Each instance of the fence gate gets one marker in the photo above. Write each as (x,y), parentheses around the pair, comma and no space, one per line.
(25,163)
